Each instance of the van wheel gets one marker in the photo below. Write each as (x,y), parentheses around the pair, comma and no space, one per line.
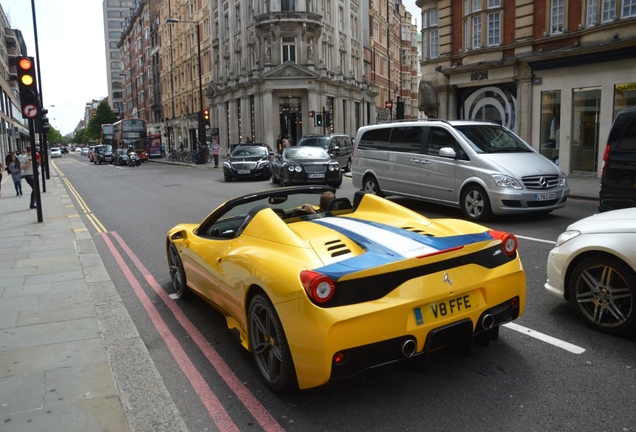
(475,204)
(371,185)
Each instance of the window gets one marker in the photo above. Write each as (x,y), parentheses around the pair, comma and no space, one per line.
(434,44)
(592,11)
(629,8)
(477,31)
(476,5)
(289,49)
(288,5)
(430,37)
(494,29)
(609,10)
(557,16)
(238,18)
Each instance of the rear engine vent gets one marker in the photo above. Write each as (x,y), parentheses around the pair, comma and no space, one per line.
(417,230)
(337,248)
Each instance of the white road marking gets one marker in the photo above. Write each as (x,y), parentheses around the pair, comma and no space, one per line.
(545,338)
(536,239)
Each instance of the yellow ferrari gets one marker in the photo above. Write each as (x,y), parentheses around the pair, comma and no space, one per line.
(321,295)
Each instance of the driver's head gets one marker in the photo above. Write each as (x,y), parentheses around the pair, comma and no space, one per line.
(325,199)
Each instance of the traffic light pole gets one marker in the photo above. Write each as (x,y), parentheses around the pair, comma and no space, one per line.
(34,164)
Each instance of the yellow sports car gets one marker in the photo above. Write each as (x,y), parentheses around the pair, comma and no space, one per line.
(318,294)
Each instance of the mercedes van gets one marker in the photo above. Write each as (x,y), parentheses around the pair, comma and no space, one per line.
(481,167)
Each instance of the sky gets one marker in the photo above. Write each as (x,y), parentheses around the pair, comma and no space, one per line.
(72,53)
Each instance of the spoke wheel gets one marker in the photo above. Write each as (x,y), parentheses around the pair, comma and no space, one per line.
(603,288)
(269,346)
(177,274)
(475,204)
(371,185)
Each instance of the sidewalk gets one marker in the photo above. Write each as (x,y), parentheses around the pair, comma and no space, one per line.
(581,186)
(70,356)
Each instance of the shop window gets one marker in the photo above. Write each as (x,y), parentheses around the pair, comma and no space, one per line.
(550,124)
(624,96)
(586,112)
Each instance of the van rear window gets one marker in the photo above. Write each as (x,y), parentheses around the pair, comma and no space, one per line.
(628,142)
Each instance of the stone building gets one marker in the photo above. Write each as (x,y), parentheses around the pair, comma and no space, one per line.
(115,12)
(280,64)
(554,71)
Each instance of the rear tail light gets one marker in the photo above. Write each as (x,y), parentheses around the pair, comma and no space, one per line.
(605,157)
(508,241)
(319,287)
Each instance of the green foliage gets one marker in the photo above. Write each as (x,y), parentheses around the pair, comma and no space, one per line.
(53,136)
(81,137)
(103,115)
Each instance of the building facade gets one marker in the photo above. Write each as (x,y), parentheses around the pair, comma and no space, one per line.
(115,13)
(184,32)
(14,131)
(554,71)
(139,45)
(279,65)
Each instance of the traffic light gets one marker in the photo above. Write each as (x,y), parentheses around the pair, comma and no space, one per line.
(327,119)
(43,125)
(206,118)
(318,119)
(28,87)
(311,113)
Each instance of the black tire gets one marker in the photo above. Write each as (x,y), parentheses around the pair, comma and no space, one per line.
(282,180)
(269,346)
(337,184)
(177,274)
(475,204)
(370,184)
(347,168)
(603,288)
(227,178)
(273,178)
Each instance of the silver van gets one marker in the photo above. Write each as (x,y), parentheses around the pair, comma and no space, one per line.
(480,167)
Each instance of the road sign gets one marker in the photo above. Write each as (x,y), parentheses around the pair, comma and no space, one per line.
(30,111)
(388,104)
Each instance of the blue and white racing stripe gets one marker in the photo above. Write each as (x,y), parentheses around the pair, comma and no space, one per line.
(385,244)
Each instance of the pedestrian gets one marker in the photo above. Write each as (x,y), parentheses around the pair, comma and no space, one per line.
(286,142)
(163,150)
(16,174)
(279,144)
(27,170)
(215,152)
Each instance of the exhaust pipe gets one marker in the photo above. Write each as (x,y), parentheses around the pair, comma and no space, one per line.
(408,347)
(487,321)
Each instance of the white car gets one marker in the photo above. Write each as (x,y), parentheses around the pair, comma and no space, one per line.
(594,265)
(84,151)
(56,152)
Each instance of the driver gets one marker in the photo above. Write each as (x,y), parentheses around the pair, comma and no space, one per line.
(325,199)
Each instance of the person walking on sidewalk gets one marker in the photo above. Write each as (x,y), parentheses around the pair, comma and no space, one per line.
(16,174)
(27,171)
(215,152)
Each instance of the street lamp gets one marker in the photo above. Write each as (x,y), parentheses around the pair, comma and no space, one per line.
(201,126)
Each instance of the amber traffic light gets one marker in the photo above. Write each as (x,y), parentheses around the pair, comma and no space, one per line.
(206,118)
(27,82)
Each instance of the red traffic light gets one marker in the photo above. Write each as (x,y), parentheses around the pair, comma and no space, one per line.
(311,113)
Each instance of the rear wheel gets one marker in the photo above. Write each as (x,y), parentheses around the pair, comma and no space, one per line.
(348,167)
(475,203)
(370,184)
(269,346)
(177,274)
(604,289)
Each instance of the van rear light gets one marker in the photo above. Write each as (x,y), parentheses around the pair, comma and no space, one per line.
(605,157)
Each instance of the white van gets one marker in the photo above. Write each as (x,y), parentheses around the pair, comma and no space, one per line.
(480,167)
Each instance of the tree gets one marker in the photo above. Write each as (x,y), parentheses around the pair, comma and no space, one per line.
(53,135)
(103,115)
(80,137)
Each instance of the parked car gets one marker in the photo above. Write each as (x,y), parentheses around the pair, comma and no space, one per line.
(339,147)
(85,151)
(319,297)
(618,177)
(103,154)
(56,152)
(249,161)
(593,265)
(481,167)
(305,165)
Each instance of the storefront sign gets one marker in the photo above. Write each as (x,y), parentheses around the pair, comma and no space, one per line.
(479,76)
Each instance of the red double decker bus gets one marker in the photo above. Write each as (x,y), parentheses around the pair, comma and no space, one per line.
(106,137)
(131,133)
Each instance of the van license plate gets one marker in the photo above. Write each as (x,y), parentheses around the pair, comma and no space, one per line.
(545,196)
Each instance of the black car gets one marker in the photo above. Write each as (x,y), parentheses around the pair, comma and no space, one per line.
(618,179)
(306,165)
(249,161)
(103,154)
(120,157)
(339,147)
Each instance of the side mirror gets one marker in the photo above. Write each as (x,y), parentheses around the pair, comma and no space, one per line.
(447,152)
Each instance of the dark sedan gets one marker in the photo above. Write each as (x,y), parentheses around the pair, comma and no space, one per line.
(306,165)
(249,161)
(120,157)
